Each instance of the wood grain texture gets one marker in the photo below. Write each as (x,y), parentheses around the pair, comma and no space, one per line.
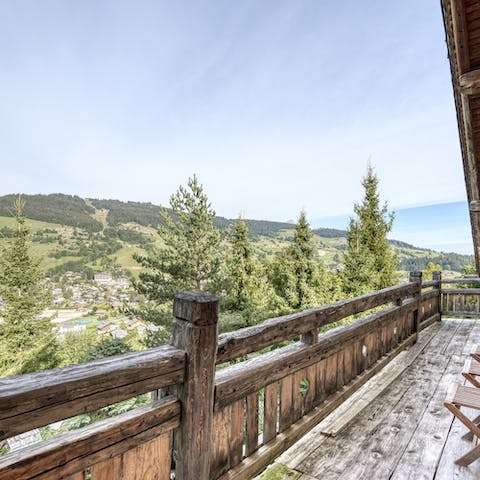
(237,427)
(241,342)
(286,386)
(108,469)
(41,398)
(241,379)
(150,461)
(252,423)
(253,464)
(195,332)
(75,451)
(221,442)
(270,408)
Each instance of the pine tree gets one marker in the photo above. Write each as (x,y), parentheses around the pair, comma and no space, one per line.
(26,343)
(248,291)
(297,276)
(370,262)
(188,258)
(428,272)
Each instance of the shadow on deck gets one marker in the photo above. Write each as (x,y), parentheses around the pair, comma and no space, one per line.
(395,426)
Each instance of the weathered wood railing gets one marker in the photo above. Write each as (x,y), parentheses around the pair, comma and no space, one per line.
(288,390)
(113,448)
(461,302)
(228,421)
(431,300)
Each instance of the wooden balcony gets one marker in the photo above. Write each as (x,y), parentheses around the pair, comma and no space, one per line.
(395,427)
(229,406)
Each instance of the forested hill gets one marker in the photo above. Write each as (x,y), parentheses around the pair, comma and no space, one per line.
(119,228)
(77,212)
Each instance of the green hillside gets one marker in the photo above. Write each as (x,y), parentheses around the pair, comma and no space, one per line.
(72,233)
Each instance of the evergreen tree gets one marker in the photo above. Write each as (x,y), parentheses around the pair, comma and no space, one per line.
(470,268)
(428,272)
(26,343)
(370,262)
(247,288)
(188,258)
(297,276)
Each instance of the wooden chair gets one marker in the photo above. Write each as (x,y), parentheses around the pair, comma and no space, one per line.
(475,353)
(462,396)
(471,370)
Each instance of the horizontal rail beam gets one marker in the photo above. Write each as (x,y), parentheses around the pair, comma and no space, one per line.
(247,340)
(239,380)
(428,321)
(461,314)
(37,399)
(460,280)
(77,450)
(429,295)
(430,283)
(461,291)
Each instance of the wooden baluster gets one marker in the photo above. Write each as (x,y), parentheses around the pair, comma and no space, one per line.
(195,332)
(416,277)
(270,408)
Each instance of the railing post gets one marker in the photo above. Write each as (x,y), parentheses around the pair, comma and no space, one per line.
(417,278)
(195,332)
(437,277)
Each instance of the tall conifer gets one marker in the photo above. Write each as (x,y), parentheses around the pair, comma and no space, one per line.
(297,276)
(26,343)
(248,291)
(370,262)
(188,258)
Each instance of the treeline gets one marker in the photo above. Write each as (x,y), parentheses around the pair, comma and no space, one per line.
(448,261)
(196,255)
(74,211)
(55,208)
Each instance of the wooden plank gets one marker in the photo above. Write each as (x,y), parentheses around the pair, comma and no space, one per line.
(78,476)
(331,374)
(310,395)
(236,432)
(454,448)
(320,393)
(360,355)
(348,355)
(286,387)
(150,461)
(427,442)
(77,450)
(247,340)
(220,442)
(267,453)
(195,331)
(460,35)
(348,412)
(252,423)
(429,321)
(241,379)
(372,450)
(270,409)
(297,403)
(108,469)
(40,398)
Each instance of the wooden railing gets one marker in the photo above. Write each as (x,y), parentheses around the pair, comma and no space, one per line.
(461,302)
(232,402)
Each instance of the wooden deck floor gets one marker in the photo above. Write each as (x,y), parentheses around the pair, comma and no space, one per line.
(396,427)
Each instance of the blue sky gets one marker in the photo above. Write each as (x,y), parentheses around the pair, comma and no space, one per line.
(276,105)
(443,226)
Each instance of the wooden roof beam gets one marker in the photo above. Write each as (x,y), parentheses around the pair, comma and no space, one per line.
(460,32)
(469,82)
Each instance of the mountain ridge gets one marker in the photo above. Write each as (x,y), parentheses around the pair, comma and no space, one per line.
(119,228)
